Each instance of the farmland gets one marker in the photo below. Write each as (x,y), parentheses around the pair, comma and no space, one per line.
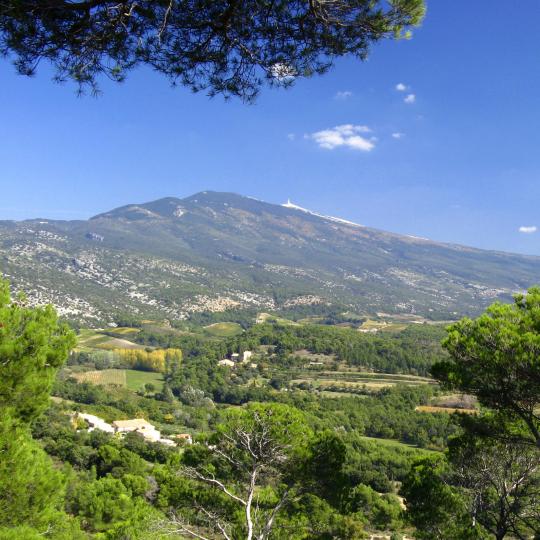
(97,339)
(445,410)
(124,378)
(223,329)
(349,380)
(135,380)
(105,377)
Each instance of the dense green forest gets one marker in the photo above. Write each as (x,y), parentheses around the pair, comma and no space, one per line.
(267,449)
(413,350)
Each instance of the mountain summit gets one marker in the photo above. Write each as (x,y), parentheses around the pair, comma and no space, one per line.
(215,251)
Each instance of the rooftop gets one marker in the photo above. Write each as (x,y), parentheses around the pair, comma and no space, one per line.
(136,423)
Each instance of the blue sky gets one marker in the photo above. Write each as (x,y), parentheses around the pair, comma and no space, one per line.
(465,169)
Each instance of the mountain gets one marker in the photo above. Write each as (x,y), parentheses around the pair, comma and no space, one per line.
(216,251)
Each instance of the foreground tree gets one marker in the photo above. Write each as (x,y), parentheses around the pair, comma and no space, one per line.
(492,471)
(261,467)
(225,46)
(500,482)
(255,448)
(33,345)
(437,509)
(485,489)
(496,357)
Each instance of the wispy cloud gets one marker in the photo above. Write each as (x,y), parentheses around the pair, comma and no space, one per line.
(528,229)
(343,94)
(398,135)
(348,135)
(409,98)
(291,136)
(400,87)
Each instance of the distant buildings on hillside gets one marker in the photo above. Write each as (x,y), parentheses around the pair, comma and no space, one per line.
(95,422)
(236,358)
(141,426)
(137,425)
(226,362)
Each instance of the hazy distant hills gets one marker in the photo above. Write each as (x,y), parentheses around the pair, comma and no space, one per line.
(215,251)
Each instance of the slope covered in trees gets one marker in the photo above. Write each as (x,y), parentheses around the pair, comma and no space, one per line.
(286,462)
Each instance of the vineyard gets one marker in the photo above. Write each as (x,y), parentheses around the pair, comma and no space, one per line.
(112,377)
(125,378)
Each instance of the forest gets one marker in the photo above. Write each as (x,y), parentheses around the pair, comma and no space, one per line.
(272,457)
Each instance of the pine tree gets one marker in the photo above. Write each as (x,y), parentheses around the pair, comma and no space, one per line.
(33,345)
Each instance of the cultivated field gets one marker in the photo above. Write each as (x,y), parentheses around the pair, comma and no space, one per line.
(96,339)
(223,329)
(407,448)
(137,379)
(374,326)
(125,330)
(270,317)
(447,410)
(116,377)
(125,378)
(354,382)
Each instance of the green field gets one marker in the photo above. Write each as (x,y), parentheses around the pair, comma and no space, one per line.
(223,329)
(374,326)
(349,381)
(272,317)
(137,379)
(409,448)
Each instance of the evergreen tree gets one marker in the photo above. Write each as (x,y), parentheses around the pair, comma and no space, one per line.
(496,357)
(225,46)
(33,345)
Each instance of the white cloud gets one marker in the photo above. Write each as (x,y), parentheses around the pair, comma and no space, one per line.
(528,229)
(409,98)
(348,135)
(291,136)
(398,135)
(343,94)
(400,87)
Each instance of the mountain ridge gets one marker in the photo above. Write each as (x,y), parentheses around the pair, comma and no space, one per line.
(214,251)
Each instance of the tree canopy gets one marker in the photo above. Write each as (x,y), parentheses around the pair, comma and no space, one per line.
(255,448)
(490,476)
(496,357)
(223,46)
(33,345)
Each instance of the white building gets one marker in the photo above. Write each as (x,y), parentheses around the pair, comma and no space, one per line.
(226,362)
(167,442)
(139,425)
(246,356)
(95,422)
